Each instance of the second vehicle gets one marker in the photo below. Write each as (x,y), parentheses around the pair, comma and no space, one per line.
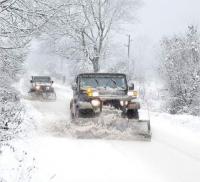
(41,87)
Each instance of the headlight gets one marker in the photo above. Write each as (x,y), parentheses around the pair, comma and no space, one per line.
(47,88)
(95,103)
(133,93)
(123,103)
(37,87)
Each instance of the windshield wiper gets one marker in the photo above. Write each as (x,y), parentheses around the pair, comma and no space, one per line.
(96,81)
(112,81)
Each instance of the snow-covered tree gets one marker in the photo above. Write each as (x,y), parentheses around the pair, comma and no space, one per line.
(20,21)
(84,26)
(181,71)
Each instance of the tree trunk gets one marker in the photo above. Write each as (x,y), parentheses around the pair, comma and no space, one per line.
(95,63)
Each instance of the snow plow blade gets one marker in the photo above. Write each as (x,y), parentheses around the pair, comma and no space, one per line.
(41,97)
(102,128)
(141,128)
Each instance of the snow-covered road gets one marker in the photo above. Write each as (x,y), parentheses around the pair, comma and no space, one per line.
(173,155)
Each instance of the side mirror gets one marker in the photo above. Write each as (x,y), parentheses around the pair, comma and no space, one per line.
(52,82)
(31,81)
(74,86)
(131,86)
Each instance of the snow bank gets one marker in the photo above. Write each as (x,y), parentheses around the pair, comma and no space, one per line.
(48,151)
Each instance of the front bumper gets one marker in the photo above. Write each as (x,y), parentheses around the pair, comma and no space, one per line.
(41,91)
(120,98)
(132,103)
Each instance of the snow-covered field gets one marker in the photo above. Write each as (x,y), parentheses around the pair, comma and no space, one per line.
(48,153)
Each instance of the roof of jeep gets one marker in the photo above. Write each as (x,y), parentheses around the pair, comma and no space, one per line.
(41,76)
(90,74)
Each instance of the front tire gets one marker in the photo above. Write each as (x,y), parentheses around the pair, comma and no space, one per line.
(132,114)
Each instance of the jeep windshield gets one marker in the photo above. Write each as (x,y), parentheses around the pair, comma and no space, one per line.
(42,79)
(103,82)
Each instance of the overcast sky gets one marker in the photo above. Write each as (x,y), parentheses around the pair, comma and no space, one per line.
(164,17)
(158,18)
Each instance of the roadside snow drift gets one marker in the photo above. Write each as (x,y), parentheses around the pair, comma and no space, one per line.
(173,155)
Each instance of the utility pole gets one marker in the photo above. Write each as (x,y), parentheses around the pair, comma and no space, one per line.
(128,47)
